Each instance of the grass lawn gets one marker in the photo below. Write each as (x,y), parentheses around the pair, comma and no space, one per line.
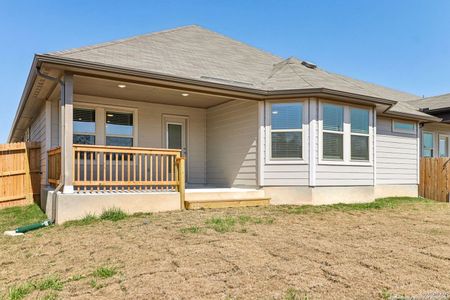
(397,247)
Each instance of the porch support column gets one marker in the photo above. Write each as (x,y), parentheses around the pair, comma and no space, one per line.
(67,132)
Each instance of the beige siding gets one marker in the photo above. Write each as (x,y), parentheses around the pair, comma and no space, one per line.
(283,175)
(340,175)
(232,130)
(55,135)
(150,128)
(37,134)
(396,155)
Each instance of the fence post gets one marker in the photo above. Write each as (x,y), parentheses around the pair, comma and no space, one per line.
(181,180)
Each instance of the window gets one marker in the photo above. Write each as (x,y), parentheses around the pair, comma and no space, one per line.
(403,127)
(119,129)
(443,146)
(359,122)
(84,126)
(286,132)
(333,132)
(427,146)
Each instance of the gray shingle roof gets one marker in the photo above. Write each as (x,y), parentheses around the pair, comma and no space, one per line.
(196,53)
(432,103)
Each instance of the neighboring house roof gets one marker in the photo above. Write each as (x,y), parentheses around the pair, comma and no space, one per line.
(441,102)
(197,53)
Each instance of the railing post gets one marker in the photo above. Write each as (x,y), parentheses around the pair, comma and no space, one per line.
(181,180)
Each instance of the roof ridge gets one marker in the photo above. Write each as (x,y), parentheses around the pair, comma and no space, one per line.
(278,67)
(119,41)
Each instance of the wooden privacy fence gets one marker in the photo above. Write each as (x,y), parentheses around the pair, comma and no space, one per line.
(435,178)
(19,174)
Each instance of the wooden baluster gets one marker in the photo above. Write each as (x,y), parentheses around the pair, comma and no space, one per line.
(78,168)
(134,171)
(116,155)
(110,171)
(129,174)
(140,170)
(123,170)
(151,172)
(167,171)
(92,170)
(104,169)
(157,170)
(145,172)
(171,170)
(98,171)
(85,169)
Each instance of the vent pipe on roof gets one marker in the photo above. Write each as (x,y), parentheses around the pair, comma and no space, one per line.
(309,65)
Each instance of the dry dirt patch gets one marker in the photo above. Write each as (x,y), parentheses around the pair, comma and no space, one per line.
(245,253)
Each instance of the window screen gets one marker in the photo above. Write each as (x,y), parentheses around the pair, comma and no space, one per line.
(286,134)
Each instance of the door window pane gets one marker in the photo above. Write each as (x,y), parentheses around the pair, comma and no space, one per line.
(119,124)
(175,136)
(427,150)
(359,147)
(333,146)
(333,117)
(287,144)
(287,116)
(359,120)
(443,146)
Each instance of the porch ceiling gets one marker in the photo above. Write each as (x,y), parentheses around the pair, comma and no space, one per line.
(101,87)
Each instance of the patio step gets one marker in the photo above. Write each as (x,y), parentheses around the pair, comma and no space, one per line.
(222,198)
(223,203)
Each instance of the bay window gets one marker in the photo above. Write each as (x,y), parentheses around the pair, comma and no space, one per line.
(119,129)
(286,133)
(84,126)
(345,134)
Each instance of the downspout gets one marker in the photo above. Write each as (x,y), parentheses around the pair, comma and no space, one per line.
(61,176)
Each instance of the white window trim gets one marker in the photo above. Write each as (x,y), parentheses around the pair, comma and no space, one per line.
(100,120)
(305,135)
(412,132)
(347,136)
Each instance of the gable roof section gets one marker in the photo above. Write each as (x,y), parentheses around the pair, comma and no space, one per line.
(193,52)
(441,102)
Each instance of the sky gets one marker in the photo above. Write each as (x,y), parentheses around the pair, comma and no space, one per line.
(400,44)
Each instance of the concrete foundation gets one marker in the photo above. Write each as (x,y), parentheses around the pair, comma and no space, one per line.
(77,205)
(294,195)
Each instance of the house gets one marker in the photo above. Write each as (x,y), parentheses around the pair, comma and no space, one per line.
(435,135)
(115,121)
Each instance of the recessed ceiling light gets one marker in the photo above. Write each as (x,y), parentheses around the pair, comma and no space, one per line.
(185,94)
(122,86)
(110,115)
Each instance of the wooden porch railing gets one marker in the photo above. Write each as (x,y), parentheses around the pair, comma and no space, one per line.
(54,166)
(111,168)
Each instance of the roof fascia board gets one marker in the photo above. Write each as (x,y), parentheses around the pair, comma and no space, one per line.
(25,94)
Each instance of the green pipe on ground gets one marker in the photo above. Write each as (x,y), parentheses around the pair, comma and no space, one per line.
(34,226)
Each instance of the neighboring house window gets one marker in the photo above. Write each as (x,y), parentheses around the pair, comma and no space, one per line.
(443,146)
(403,127)
(359,120)
(427,144)
(119,129)
(345,133)
(84,126)
(286,130)
(333,132)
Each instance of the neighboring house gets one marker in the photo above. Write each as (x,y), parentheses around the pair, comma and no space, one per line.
(435,135)
(250,124)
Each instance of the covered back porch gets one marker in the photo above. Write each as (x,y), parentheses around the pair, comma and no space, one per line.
(120,138)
